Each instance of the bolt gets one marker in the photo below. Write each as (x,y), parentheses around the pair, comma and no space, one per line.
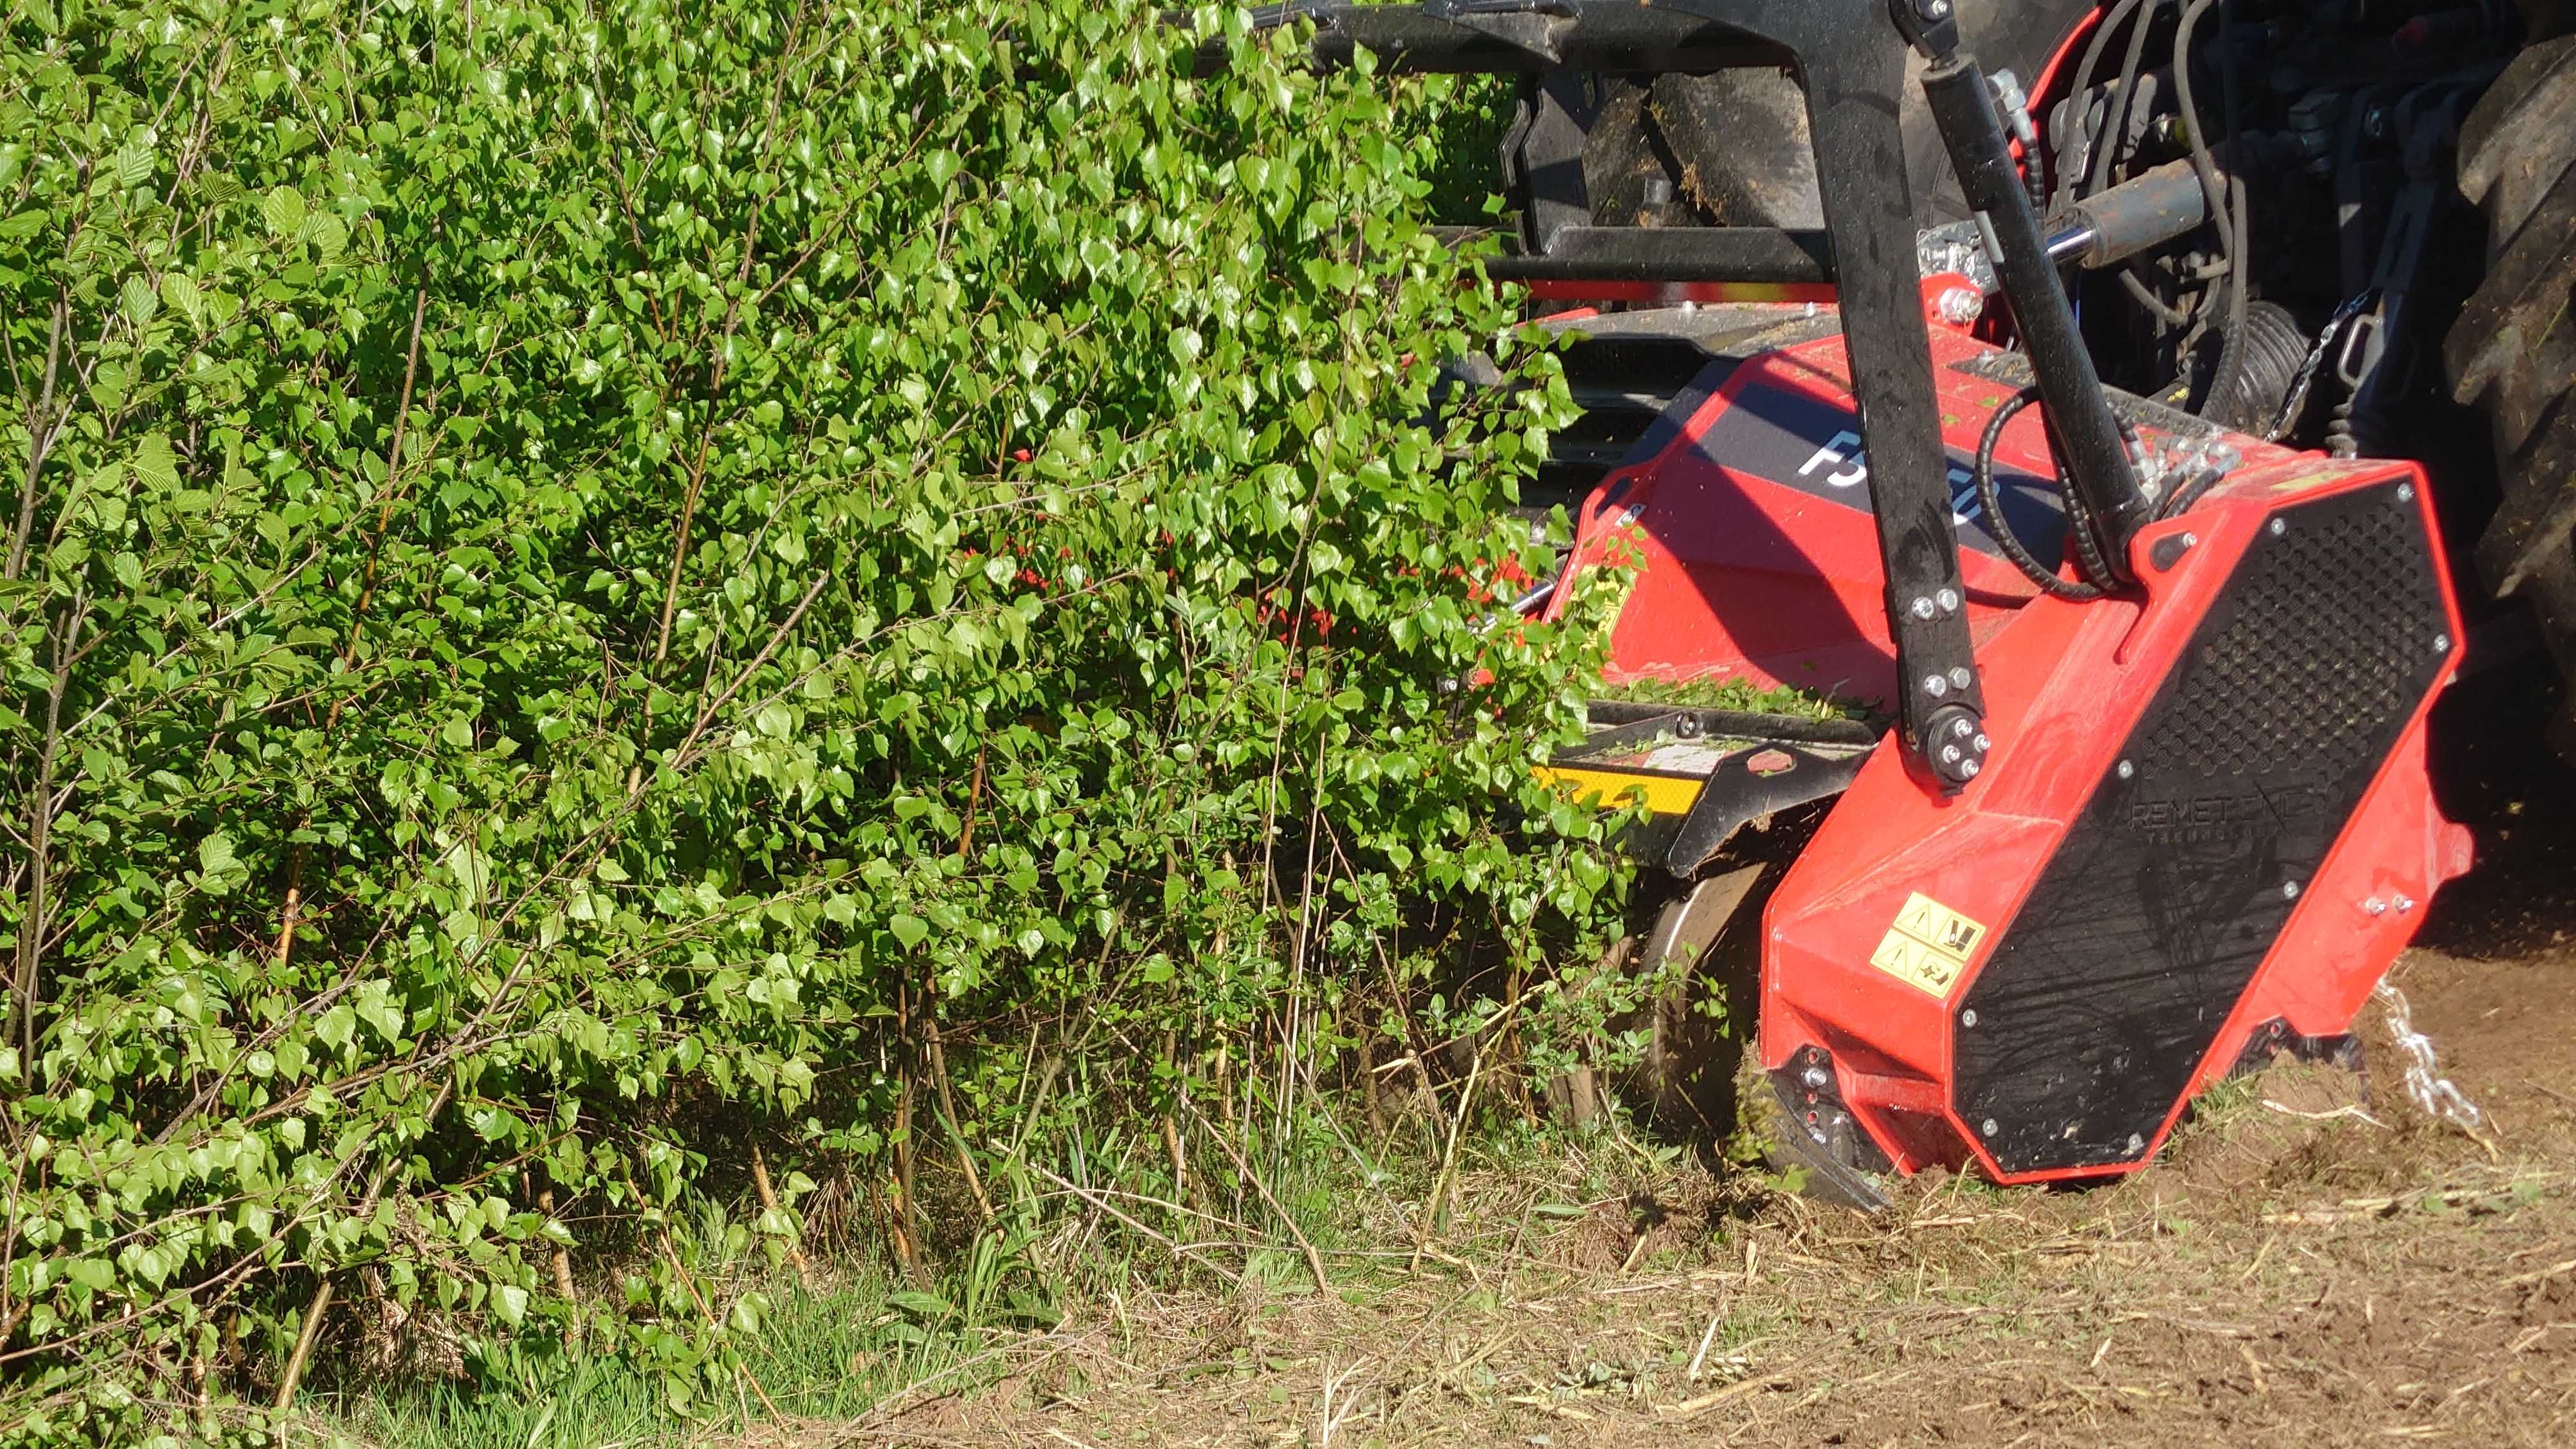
(2405,904)
(1814,1077)
(2289,890)
(1949,754)
(2405,492)
(1959,306)
(1932,9)
(2128,770)
(2137,1144)
(1659,190)
(2441,643)
(1961,678)
(2190,541)
(1988,1127)
(2280,526)
(1968,769)
(1968,1017)
(1949,600)
(1935,686)
(1983,744)
(1922,606)
(2375,906)
(1962,728)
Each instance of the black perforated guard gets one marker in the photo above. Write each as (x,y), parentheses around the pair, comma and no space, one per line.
(2110,984)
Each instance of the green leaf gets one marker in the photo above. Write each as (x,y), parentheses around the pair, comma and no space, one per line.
(180,291)
(216,862)
(140,301)
(154,464)
(919,1304)
(911,930)
(283,210)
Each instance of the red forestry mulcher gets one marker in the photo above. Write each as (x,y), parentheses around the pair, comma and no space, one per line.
(2100,420)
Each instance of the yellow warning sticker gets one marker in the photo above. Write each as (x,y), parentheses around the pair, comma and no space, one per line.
(1928,946)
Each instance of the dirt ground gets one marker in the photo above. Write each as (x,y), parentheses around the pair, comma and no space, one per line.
(2312,1261)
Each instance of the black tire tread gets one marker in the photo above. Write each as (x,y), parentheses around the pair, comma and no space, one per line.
(2513,350)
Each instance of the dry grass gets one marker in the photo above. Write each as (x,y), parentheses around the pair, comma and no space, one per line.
(2302,1266)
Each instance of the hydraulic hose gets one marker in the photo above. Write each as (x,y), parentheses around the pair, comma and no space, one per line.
(2080,185)
(2232,238)
(1990,499)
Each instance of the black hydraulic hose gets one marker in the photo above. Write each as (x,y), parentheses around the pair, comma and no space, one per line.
(2034,149)
(2190,493)
(2116,112)
(2232,238)
(2167,316)
(2082,184)
(1990,499)
(2231,349)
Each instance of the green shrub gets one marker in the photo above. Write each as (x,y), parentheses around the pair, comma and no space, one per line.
(589,585)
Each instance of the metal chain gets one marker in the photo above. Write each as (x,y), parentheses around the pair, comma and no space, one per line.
(2290,406)
(2433,1093)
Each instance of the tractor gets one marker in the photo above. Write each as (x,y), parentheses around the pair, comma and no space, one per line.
(2137,414)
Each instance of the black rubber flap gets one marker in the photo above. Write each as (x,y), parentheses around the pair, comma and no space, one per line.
(2109,986)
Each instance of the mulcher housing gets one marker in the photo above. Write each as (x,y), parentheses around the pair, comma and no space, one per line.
(2121,835)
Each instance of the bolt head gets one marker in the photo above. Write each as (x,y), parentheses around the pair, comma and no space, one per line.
(1935,686)
(1922,606)
(1948,599)
(1960,678)
(1815,1076)
(1968,769)
(2128,769)
(2405,492)
(1983,744)
(2289,890)
(2441,643)
(2405,904)
(2190,540)
(2280,526)
(1949,754)
(1968,1017)
(2137,1144)
(1962,728)
(1987,1127)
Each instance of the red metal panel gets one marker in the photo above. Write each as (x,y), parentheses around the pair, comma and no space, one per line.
(2066,683)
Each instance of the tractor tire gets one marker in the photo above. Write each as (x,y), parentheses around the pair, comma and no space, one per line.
(1740,136)
(2513,351)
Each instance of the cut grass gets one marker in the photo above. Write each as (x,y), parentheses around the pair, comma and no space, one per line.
(1729,693)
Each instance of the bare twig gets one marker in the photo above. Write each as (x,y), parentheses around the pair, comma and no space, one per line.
(41,430)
